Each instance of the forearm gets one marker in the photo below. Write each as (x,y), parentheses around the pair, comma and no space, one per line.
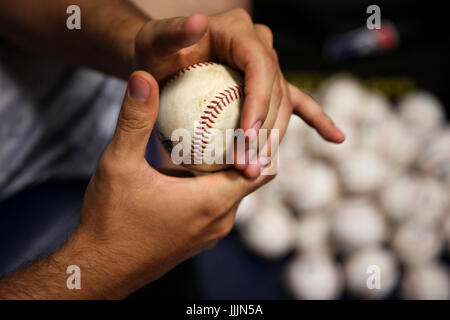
(104,274)
(105,41)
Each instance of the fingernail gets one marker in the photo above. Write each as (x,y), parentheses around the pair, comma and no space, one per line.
(257,125)
(253,132)
(138,89)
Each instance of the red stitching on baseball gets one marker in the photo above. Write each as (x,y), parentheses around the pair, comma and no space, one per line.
(215,106)
(222,100)
(189,68)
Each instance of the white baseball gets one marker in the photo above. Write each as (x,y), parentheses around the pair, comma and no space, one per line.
(428,282)
(205,99)
(342,97)
(313,276)
(357,223)
(399,197)
(361,268)
(435,158)
(312,187)
(362,172)
(372,122)
(417,242)
(422,112)
(270,232)
(312,232)
(401,146)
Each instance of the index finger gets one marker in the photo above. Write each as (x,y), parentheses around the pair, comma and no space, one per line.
(308,109)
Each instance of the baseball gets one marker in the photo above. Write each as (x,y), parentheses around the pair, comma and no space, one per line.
(205,100)
(357,223)
(428,282)
(270,233)
(363,172)
(312,233)
(313,276)
(416,242)
(358,270)
(422,112)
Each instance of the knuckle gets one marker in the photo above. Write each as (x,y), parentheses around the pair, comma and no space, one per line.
(222,231)
(226,229)
(266,31)
(242,14)
(106,164)
(274,54)
(109,167)
(132,121)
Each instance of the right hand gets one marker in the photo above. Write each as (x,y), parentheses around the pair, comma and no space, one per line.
(148,220)
(164,46)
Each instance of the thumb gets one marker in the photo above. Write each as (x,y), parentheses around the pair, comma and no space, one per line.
(137,117)
(171,35)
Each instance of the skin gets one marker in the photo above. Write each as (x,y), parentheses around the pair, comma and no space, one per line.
(132,41)
(270,100)
(132,228)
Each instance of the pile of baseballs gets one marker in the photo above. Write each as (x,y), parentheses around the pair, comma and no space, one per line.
(378,203)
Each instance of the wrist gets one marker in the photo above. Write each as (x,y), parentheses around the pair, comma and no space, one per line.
(107,271)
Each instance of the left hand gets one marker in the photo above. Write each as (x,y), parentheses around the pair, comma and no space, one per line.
(165,46)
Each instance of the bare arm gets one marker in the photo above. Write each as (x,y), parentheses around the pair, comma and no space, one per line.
(104,274)
(136,223)
(105,41)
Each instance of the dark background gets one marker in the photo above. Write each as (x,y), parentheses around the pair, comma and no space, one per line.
(301,29)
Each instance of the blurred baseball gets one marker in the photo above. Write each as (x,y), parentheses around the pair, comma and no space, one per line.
(312,232)
(313,277)
(399,197)
(362,172)
(416,242)
(422,112)
(342,97)
(357,223)
(401,147)
(362,264)
(270,232)
(312,186)
(436,157)
(427,282)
